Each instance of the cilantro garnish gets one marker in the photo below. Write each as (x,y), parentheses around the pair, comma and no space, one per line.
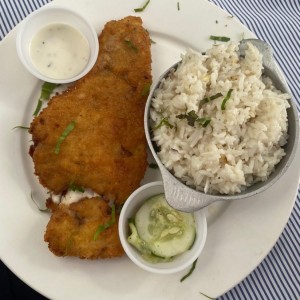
(164,122)
(131,45)
(190,271)
(193,118)
(140,9)
(106,225)
(75,188)
(210,98)
(21,127)
(226,99)
(63,136)
(219,38)
(47,89)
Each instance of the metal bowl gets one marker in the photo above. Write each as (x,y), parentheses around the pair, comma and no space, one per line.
(185,198)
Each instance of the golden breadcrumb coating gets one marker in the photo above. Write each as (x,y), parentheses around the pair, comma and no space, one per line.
(71,230)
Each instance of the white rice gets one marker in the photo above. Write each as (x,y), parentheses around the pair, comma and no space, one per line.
(242,143)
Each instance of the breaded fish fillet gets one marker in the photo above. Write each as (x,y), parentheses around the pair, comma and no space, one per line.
(71,230)
(106,149)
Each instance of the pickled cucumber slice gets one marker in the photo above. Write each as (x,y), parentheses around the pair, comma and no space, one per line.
(166,231)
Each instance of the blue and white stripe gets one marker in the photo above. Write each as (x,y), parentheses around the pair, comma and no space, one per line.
(12,12)
(278,23)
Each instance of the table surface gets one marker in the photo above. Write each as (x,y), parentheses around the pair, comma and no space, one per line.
(277,22)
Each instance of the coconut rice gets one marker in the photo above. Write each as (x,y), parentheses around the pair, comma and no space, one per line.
(231,144)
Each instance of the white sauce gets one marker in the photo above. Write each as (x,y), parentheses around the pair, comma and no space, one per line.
(73,196)
(56,198)
(59,51)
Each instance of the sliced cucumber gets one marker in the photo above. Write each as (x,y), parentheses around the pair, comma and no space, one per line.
(166,231)
(142,246)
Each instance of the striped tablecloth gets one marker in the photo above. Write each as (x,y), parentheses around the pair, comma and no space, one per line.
(278,23)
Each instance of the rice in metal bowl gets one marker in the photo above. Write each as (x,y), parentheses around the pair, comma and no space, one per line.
(220,126)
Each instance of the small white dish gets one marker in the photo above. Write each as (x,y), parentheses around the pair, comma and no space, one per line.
(51,16)
(180,262)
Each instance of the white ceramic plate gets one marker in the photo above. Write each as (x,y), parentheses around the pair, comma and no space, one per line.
(240,234)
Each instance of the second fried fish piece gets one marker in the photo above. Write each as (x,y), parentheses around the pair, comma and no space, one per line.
(72,228)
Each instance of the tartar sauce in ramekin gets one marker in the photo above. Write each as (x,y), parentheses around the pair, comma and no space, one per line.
(59,51)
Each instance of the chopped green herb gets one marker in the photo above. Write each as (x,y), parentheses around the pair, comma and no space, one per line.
(140,9)
(38,107)
(210,98)
(131,45)
(203,121)
(47,89)
(192,117)
(190,271)
(153,166)
(21,127)
(106,225)
(73,187)
(226,99)
(207,296)
(164,122)
(178,6)
(65,133)
(37,205)
(146,89)
(219,38)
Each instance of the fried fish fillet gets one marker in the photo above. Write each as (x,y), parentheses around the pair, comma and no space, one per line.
(72,228)
(106,150)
